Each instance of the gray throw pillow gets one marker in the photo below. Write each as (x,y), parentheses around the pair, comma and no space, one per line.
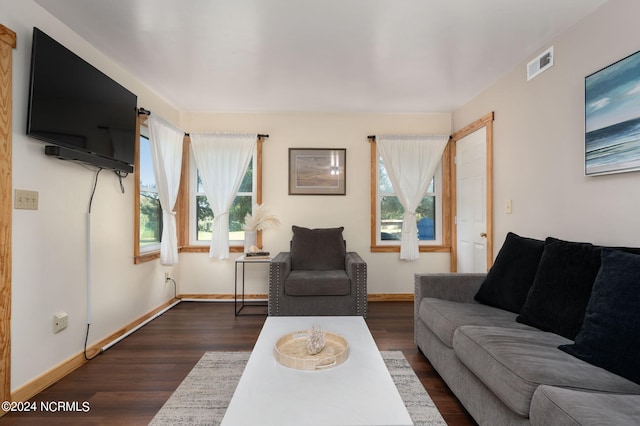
(321,249)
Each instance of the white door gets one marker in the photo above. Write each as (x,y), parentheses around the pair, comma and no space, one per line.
(471,202)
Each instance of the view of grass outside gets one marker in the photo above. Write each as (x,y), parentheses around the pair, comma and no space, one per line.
(150,219)
(240,207)
(391,212)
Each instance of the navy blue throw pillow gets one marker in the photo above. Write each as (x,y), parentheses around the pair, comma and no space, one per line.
(509,279)
(561,290)
(610,335)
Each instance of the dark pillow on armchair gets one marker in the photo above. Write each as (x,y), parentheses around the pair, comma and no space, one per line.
(509,279)
(610,333)
(320,249)
(560,292)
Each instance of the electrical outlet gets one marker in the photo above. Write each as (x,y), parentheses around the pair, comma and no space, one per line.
(166,277)
(60,321)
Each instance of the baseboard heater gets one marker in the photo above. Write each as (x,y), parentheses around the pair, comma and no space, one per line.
(85,157)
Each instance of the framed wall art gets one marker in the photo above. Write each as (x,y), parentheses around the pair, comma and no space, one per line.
(317,171)
(612,118)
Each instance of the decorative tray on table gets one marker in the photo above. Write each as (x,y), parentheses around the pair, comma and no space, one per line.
(291,351)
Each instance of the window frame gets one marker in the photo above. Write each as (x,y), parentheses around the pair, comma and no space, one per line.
(193,194)
(185,214)
(438,210)
(155,246)
(183,207)
(443,208)
(150,252)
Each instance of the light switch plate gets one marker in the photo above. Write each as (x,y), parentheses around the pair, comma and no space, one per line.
(26,200)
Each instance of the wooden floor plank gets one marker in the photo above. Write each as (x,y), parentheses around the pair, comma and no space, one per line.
(130,382)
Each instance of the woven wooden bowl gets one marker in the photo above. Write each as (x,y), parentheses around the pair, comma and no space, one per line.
(291,351)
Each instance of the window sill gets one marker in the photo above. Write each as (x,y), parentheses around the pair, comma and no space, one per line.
(205,249)
(146,257)
(423,249)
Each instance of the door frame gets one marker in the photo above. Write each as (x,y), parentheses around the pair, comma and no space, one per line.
(487,122)
(7,44)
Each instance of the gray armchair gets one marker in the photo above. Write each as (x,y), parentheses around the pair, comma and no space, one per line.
(318,276)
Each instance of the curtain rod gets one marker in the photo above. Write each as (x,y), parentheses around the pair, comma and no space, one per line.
(260,136)
(373,137)
(142,111)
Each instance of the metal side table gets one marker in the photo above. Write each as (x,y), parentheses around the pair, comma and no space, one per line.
(240,304)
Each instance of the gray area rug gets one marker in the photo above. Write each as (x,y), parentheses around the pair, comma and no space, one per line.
(203,396)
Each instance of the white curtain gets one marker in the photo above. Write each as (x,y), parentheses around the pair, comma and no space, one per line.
(410,162)
(222,160)
(166,141)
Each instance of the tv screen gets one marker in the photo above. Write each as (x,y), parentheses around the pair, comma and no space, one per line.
(86,114)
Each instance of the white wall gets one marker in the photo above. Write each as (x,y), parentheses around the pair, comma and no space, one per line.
(538,163)
(386,273)
(49,245)
(539,140)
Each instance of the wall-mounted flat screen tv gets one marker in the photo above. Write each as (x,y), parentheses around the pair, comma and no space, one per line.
(85,114)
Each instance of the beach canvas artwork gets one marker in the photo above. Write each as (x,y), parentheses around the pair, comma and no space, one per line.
(612,118)
(317,171)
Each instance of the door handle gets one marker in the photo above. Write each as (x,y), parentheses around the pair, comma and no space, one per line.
(483,234)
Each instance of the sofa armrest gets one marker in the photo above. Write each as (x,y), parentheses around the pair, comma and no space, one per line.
(450,286)
(279,269)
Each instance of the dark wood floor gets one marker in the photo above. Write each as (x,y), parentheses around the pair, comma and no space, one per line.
(130,382)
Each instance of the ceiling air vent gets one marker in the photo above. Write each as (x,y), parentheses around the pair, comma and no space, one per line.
(540,64)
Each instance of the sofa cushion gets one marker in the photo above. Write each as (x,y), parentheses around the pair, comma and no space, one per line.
(443,317)
(511,276)
(568,407)
(610,334)
(317,249)
(560,292)
(317,283)
(513,363)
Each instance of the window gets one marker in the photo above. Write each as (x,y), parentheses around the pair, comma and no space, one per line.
(150,217)
(194,216)
(202,217)
(431,214)
(148,213)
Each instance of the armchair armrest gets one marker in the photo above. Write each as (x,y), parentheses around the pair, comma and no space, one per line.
(279,269)
(282,260)
(354,264)
(356,269)
(450,286)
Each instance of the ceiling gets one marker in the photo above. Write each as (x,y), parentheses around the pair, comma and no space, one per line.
(322,55)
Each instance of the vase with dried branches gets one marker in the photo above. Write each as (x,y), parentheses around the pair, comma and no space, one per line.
(260,220)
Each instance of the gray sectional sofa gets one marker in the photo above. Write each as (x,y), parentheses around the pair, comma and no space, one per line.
(505,370)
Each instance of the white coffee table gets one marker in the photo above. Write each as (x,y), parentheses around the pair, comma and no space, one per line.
(359,391)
